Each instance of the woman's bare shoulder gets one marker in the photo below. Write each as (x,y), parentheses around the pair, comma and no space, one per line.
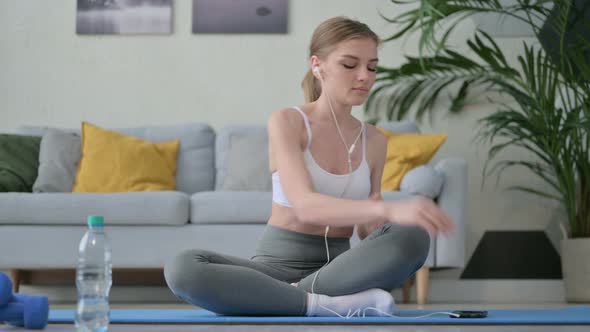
(376,147)
(285,117)
(375,136)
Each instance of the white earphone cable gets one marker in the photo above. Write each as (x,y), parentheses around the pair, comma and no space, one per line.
(350,149)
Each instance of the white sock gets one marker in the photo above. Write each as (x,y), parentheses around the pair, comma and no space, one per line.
(323,305)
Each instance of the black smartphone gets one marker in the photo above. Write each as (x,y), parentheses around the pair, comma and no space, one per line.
(470,314)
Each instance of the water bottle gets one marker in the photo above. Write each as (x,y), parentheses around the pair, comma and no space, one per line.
(93,278)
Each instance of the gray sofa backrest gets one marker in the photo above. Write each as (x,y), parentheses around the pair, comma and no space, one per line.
(406,126)
(241,157)
(195,170)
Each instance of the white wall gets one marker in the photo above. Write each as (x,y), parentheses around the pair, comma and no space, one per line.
(51,76)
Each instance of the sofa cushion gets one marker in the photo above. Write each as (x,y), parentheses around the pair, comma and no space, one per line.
(396,195)
(406,151)
(135,208)
(114,162)
(195,164)
(231,207)
(19,161)
(59,156)
(247,164)
(423,180)
(241,159)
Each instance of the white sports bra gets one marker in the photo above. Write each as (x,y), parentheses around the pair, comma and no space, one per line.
(356,185)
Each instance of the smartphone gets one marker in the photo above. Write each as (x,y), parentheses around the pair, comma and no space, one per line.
(470,314)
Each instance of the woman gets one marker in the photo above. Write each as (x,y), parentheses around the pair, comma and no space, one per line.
(326,170)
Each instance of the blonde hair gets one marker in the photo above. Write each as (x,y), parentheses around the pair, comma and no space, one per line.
(324,39)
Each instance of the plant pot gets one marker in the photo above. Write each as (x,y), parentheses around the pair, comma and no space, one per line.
(575,266)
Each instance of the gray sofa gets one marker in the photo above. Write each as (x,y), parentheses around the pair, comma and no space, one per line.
(42,230)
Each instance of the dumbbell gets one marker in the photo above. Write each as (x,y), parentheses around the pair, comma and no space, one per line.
(6,295)
(22,310)
(30,312)
(5,289)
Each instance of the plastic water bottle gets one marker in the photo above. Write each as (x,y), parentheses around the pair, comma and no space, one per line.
(93,278)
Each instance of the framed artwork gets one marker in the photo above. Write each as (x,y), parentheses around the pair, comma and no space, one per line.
(240,16)
(122,17)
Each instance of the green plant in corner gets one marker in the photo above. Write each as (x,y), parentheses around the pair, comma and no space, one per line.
(548,107)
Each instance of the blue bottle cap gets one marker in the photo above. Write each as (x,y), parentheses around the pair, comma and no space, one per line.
(95,221)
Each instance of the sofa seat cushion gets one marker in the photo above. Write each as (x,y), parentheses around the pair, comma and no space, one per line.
(150,246)
(231,207)
(134,208)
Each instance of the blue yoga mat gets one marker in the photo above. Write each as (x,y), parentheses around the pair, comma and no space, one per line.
(571,315)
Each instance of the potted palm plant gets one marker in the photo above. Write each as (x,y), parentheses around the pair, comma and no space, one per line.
(547,111)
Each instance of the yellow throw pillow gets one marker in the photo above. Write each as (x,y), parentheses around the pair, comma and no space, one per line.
(114,162)
(406,151)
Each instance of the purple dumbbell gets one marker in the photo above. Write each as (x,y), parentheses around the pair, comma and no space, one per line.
(30,312)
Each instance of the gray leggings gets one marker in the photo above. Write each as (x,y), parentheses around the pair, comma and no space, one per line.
(261,286)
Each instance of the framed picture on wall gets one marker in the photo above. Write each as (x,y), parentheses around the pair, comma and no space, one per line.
(121,17)
(240,16)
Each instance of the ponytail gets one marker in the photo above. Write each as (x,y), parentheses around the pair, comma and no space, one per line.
(311,87)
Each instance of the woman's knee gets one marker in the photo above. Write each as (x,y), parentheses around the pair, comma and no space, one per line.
(419,244)
(413,242)
(181,271)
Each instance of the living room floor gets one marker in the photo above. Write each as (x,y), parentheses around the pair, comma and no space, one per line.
(326,328)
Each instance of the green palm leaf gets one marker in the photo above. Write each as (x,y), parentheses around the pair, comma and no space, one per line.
(548,113)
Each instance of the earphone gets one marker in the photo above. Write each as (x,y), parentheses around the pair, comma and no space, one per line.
(316,70)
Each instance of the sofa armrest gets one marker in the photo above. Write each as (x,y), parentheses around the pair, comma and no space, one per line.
(450,250)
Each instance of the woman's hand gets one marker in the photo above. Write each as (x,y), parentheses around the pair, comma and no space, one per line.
(370,227)
(422,212)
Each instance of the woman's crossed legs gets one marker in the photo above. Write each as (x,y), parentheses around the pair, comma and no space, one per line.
(359,277)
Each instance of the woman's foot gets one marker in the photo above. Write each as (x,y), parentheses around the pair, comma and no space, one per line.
(371,302)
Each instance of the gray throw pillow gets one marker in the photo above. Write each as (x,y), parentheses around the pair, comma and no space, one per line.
(247,164)
(422,180)
(59,155)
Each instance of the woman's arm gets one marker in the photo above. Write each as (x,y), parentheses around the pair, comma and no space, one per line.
(284,128)
(376,156)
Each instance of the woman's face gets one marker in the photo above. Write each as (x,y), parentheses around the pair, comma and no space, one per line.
(349,71)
